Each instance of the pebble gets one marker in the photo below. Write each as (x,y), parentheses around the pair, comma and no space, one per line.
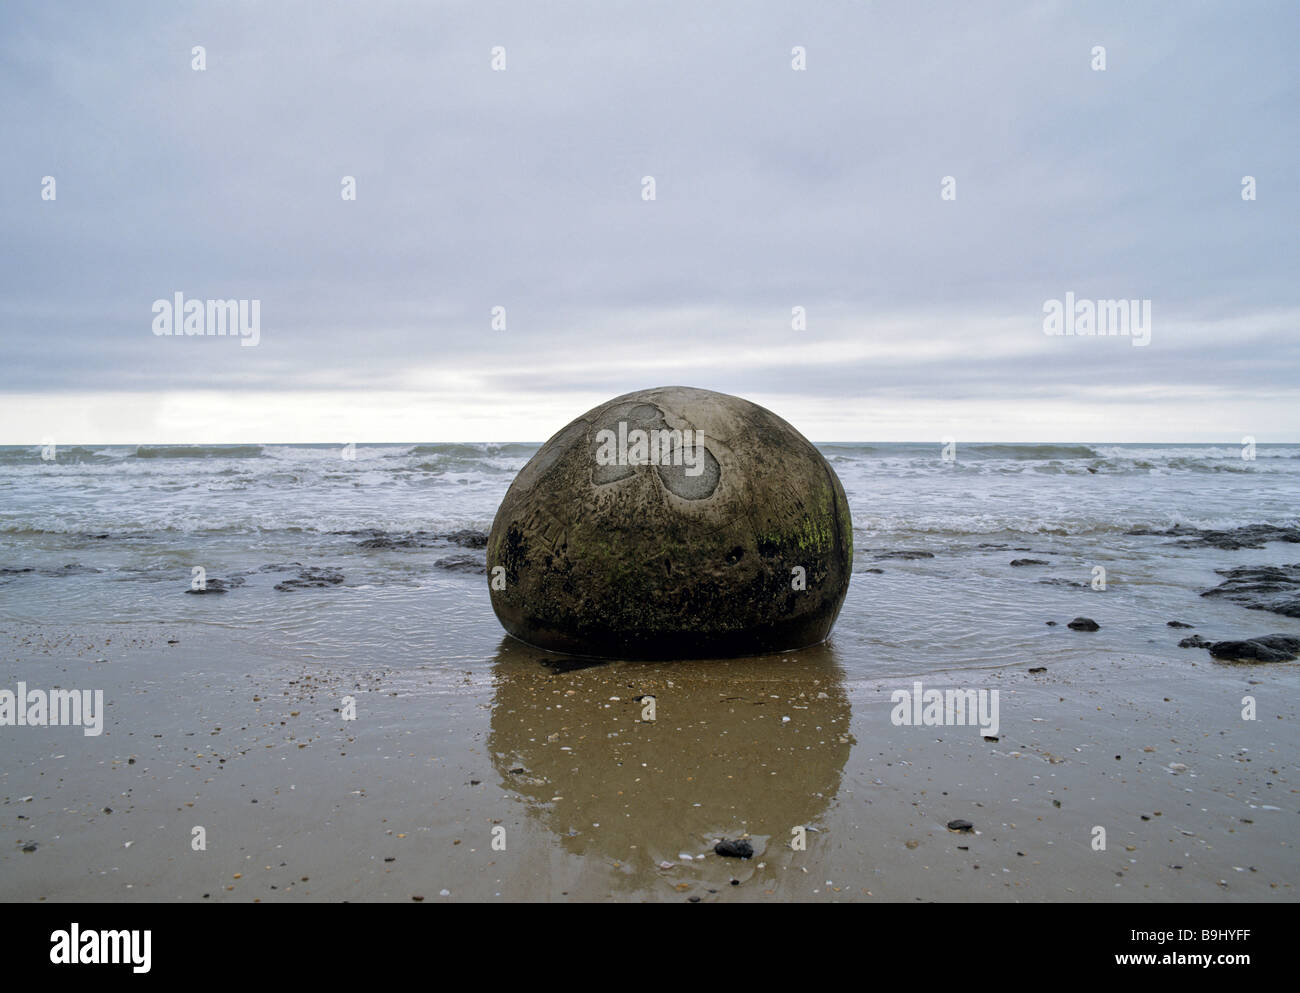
(738,849)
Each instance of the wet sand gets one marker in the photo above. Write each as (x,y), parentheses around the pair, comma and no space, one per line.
(598,803)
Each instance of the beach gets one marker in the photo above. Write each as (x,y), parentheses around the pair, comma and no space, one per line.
(476,768)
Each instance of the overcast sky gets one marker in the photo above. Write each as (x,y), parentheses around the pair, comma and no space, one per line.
(774,189)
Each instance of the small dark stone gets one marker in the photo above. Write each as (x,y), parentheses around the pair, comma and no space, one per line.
(1038,668)
(1084,624)
(693,899)
(1194,641)
(738,849)
(966,827)
(30,847)
(1179,624)
(906,553)
(1022,562)
(991,737)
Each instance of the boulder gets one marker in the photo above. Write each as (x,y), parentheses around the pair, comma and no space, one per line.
(672,523)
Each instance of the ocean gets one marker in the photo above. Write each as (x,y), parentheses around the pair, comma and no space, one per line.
(374,555)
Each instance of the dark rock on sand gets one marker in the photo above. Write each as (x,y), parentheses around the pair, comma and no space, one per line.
(1038,668)
(738,849)
(965,827)
(311,578)
(1275,588)
(1023,562)
(1195,641)
(1178,624)
(1059,581)
(1084,624)
(1051,624)
(1268,648)
(734,543)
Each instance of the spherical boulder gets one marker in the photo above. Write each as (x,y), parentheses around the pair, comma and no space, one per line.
(672,523)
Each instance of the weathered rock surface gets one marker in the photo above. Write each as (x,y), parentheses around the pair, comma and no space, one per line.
(1248,536)
(311,578)
(1275,588)
(737,545)
(1268,648)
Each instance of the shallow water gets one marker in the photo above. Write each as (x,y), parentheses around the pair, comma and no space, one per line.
(112,534)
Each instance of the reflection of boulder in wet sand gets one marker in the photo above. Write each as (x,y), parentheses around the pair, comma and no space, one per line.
(672,523)
(747,747)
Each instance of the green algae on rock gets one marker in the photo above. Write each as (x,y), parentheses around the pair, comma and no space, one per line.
(672,523)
